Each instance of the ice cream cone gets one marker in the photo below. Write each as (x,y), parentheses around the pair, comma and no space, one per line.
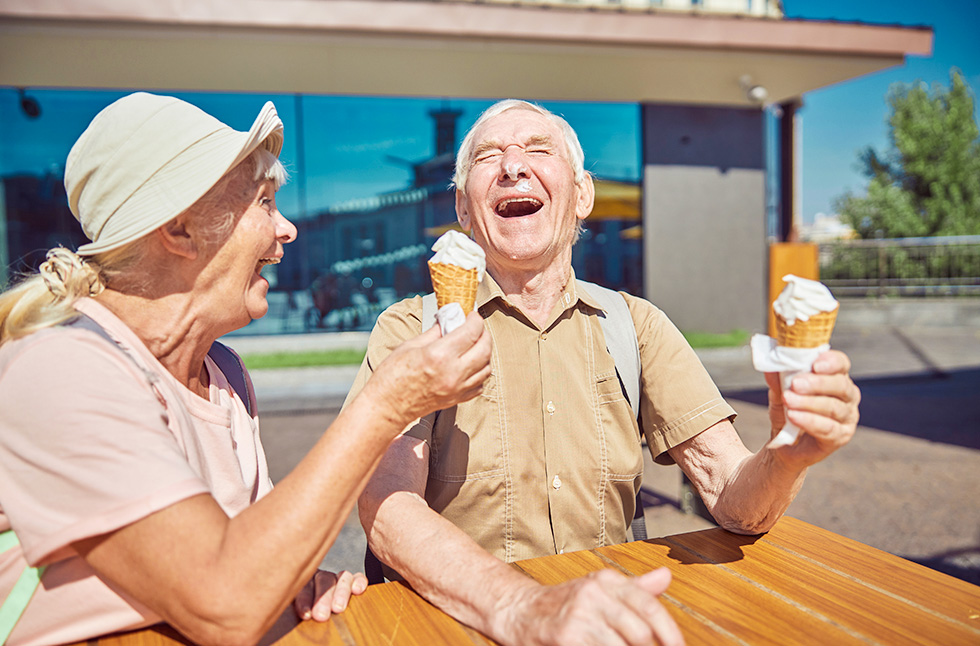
(454,284)
(806,334)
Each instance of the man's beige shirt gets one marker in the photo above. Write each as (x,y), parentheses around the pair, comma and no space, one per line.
(548,459)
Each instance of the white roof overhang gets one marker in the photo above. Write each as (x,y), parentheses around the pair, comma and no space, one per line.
(415,48)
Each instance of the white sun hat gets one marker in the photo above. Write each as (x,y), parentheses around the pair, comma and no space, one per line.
(146,158)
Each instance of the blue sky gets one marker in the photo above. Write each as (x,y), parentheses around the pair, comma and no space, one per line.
(841,120)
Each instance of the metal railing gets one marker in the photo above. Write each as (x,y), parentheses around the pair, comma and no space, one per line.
(940,266)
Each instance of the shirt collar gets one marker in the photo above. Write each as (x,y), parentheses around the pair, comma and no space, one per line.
(488,289)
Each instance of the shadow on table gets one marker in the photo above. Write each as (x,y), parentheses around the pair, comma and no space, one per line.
(706,546)
(937,406)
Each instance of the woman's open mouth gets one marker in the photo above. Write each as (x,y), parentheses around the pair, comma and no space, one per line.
(266,261)
(518,206)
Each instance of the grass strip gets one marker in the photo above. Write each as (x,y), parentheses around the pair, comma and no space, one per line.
(352,357)
(700,340)
(338,357)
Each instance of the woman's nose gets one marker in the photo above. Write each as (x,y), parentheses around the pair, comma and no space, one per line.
(285,230)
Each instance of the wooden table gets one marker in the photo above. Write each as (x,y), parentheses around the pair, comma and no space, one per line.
(798,584)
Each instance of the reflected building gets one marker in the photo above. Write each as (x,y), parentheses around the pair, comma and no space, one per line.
(376,247)
(35,217)
(373,251)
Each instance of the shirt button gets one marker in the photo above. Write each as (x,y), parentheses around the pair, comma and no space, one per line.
(556,482)
(551,408)
(544,336)
(561,551)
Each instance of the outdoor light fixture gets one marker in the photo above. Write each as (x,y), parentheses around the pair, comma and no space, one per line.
(754,92)
(29,104)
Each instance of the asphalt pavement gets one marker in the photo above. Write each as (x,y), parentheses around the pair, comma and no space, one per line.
(908,483)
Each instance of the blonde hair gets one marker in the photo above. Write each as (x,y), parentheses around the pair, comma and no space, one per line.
(47,298)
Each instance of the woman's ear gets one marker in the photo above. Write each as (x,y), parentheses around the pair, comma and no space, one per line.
(177,238)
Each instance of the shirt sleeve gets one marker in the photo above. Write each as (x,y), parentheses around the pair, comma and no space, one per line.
(397,324)
(85,446)
(678,398)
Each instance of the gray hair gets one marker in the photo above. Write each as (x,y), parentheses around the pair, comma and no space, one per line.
(464,158)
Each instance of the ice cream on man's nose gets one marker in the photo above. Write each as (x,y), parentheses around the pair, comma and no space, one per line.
(456,269)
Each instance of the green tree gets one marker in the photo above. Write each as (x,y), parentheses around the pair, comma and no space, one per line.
(928,182)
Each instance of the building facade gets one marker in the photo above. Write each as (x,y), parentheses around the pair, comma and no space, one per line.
(706,77)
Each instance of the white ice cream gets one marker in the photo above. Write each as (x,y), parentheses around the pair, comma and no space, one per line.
(455,248)
(802,298)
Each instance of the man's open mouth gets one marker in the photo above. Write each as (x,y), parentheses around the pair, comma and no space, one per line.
(518,206)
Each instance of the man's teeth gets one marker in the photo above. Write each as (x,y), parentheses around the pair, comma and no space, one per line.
(513,204)
(268,261)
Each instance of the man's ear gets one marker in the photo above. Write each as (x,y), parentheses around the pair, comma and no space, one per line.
(177,239)
(462,213)
(586,198)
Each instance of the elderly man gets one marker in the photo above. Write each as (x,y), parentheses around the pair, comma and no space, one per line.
(548,458)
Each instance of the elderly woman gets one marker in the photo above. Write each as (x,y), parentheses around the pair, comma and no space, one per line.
(131,471)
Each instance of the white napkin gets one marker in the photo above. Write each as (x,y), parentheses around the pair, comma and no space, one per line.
(788,362)
(450,316)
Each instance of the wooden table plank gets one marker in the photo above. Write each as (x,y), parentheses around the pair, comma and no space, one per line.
(893,575)
(796,584)
(842,599)
(159,635)
(739,610)
(392,614)
(550,570)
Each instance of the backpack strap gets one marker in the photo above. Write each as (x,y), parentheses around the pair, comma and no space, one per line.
(223,356)
(234,371)
(20,595)
(622,344)
(429,308)
(86,322)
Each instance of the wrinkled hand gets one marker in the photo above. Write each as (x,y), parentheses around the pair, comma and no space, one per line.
(432,372)
(604,608)
(823,403)
(328,594)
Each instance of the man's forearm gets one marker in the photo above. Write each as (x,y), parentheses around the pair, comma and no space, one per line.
(445,565)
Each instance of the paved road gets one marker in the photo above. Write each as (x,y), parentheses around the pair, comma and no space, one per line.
(908,483)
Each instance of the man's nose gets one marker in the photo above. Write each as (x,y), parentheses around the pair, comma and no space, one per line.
(513,164)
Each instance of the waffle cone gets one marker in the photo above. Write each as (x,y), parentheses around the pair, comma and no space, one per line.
(453,284)
(806,334)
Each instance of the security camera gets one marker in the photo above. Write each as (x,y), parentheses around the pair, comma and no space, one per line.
(753,91)
(757,94)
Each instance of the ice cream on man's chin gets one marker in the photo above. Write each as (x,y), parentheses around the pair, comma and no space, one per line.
(456,269)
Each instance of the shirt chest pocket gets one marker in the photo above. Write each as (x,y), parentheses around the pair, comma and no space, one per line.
(458,455)
(621,434)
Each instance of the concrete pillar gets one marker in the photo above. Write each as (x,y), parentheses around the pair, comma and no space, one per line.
(704,216)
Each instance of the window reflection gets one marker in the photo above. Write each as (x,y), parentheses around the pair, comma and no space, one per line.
(369,194)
